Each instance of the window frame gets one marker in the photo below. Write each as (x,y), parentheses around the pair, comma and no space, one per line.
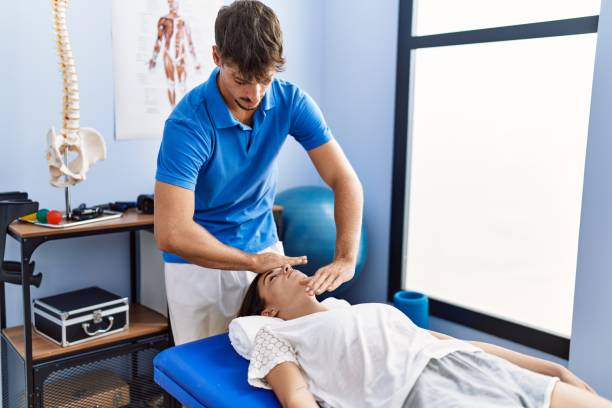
(402,154)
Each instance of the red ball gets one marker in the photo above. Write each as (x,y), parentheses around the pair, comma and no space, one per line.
(54,217)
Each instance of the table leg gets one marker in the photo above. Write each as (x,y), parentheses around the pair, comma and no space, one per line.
(134,286)
(4,363)
(2,307)
(134,267)
(27,322)
(3,346)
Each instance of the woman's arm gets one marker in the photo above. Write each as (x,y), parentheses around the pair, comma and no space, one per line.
(522,360)
(289,385)
(538,365)
(531,363)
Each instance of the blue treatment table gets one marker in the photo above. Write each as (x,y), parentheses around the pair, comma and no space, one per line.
(209,373)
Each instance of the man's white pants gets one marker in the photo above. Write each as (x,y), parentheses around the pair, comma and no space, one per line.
(203,301)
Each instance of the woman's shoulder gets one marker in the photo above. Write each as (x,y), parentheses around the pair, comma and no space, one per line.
(340,311)
(378,307)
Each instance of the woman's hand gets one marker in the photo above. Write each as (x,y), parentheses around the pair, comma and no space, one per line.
(568,377)
(329,277)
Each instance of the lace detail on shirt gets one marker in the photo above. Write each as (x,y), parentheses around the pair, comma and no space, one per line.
(268,352)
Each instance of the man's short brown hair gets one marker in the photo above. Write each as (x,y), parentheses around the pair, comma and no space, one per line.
(248,34)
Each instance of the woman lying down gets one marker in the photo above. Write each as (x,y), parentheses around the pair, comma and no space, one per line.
(372,355)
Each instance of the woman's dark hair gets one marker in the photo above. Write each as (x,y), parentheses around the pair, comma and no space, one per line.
(248,34)
(252,304)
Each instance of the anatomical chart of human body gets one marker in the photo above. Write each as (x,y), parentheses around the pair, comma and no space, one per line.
(161,50)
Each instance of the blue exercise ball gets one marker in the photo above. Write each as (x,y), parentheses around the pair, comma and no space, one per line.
(309,229)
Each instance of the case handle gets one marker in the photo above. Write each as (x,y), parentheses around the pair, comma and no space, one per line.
(85,326)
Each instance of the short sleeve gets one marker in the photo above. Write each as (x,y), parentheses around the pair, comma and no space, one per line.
(183,151)
(269,351)
(308,125)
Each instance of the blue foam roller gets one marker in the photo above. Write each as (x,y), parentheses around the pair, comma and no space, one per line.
(415,305)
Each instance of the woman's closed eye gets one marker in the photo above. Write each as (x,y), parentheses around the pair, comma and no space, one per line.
(270,277)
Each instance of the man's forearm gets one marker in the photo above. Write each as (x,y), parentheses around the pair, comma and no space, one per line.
(348,213)
(193,243)
(522,360)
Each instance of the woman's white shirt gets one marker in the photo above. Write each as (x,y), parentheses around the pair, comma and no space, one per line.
(366,355)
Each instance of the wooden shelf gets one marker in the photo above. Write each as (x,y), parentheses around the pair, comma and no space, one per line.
(130,218)
(143,321)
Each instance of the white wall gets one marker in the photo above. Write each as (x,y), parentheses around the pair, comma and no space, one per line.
(303,34)
(591,343)
(359,54)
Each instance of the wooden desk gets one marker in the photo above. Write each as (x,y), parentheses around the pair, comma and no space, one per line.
(130,219)
(36,351)
(143,322)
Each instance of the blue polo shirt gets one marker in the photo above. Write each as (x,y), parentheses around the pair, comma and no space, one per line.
(230,166)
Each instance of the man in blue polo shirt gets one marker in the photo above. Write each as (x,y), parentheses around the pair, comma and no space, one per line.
(216,177)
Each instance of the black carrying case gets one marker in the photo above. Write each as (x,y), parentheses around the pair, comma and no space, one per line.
(79,316)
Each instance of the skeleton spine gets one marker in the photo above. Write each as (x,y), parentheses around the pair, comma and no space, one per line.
(70,119)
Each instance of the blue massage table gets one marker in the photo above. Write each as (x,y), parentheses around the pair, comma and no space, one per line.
(209,373)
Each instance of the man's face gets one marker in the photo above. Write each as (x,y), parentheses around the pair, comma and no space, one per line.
(246,94)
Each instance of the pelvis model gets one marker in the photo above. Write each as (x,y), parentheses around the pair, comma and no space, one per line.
(73,150)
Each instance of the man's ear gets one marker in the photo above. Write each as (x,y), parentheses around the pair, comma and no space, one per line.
(216,56)
(270,312)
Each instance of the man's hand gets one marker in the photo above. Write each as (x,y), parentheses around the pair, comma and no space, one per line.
(270,260)
(568,377)
(329,277)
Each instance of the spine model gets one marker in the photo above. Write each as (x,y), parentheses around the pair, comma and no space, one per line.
(70,122)
(86,143)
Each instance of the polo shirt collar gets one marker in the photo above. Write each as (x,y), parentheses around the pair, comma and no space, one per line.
(221,115)
(268,101)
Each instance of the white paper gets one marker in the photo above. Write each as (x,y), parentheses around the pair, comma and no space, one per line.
(142,103)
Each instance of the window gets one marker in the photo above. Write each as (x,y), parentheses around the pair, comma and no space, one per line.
(445,16)
(491,129)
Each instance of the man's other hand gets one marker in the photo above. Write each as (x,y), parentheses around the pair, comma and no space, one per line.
(329,277)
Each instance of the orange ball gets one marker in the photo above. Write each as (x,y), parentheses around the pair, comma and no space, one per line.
(54,217)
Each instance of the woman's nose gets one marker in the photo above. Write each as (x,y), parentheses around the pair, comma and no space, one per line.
(286,268)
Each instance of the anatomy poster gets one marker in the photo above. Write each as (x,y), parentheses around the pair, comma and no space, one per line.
(161,50)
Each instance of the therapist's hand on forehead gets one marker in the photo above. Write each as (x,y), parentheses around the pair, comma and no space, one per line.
(270,260)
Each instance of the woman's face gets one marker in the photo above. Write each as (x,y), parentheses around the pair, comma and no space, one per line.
(280,289)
